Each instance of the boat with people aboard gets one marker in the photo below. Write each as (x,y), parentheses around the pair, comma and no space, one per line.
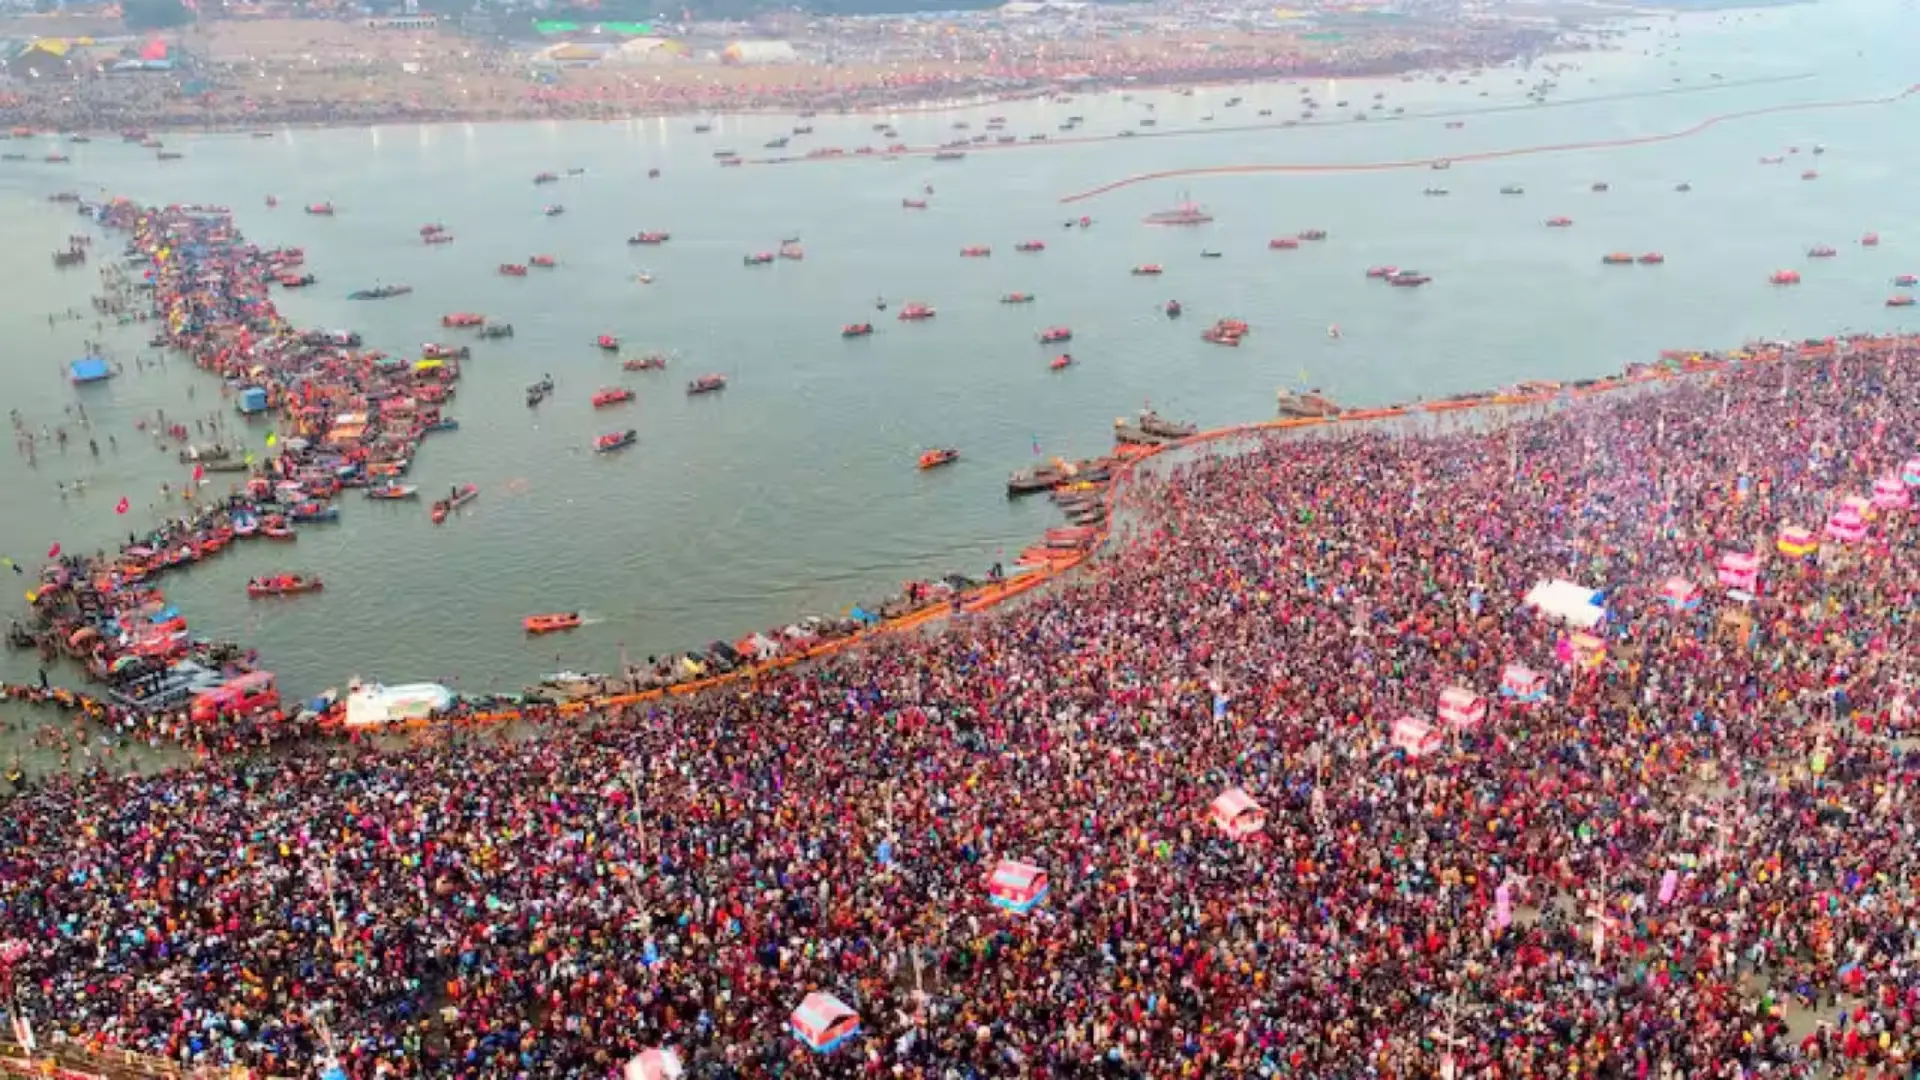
(1172,309)
(1822,251)
(1283,243)
(546,178)
(1559,222)
(853,330)
(949,155)
(607,343)
(1054,334)
(295,280)
(1303,404)
(1900,300)
(1871,239)
(513,269)
(913,204)
(1210,253)
(432,228)
(548,624)
(392,492)
(1150,429)
(914,311)
(933,459)
(320,209)
(1382,272)
(435,350)
(1016,298)
(438,238)
(707,384)
(495,331)
(459,496)
(1061,362)
(1683,187)
(650,362)
(1513,189)
(1652,258)
(1407,279)
(611,395)
(758,258)
(538,392)
(615,440)
(553,210)
(975,251)
(1148,270)
(650,239)
(1785,277)
(1617,258)
(380,292)
(1906,281)
(1602,185)
(1225,332)
(283,585)
(544,262)
(313,512)
(1312,235)
(1030,246)
(463,320)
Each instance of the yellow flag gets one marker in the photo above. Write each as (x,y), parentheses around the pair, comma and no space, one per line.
(272,438)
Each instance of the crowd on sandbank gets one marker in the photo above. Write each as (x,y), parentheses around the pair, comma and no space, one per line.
(1692,857)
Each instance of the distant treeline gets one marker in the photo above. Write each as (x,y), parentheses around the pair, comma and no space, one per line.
(653,11)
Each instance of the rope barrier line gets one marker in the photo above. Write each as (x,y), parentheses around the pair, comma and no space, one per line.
(1484,155)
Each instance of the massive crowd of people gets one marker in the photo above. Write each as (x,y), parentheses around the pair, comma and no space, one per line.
(1695,858)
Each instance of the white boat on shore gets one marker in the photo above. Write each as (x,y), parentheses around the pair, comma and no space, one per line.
(371,705)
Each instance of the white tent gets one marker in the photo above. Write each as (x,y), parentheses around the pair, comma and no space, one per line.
(1566,601)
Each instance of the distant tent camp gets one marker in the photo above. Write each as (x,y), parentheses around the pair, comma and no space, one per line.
(89,369)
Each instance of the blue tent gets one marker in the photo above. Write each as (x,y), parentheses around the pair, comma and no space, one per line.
(89,369)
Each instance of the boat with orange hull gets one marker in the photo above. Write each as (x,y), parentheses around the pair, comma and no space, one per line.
(915,312)
(614,441)
(283,585)
(607,343)
(933,459)
(1054,334)
(611,395)
(1225,332)
(1900,300)
(545,262)
(463,319)
(1061,362)
(853,330)
(456,499)
(1617,258)
(1785,277)
(391,492)
(551,623)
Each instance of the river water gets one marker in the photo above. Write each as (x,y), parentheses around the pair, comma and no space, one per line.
(795,490)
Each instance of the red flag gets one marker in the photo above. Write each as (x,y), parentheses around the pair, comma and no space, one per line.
(121,506)
(199,473)
(53,552)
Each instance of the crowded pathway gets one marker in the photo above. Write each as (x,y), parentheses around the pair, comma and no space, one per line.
(1694,858)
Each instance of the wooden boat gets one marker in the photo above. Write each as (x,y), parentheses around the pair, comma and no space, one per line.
(283,585)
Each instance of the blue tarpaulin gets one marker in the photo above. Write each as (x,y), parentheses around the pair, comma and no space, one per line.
(89,369)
